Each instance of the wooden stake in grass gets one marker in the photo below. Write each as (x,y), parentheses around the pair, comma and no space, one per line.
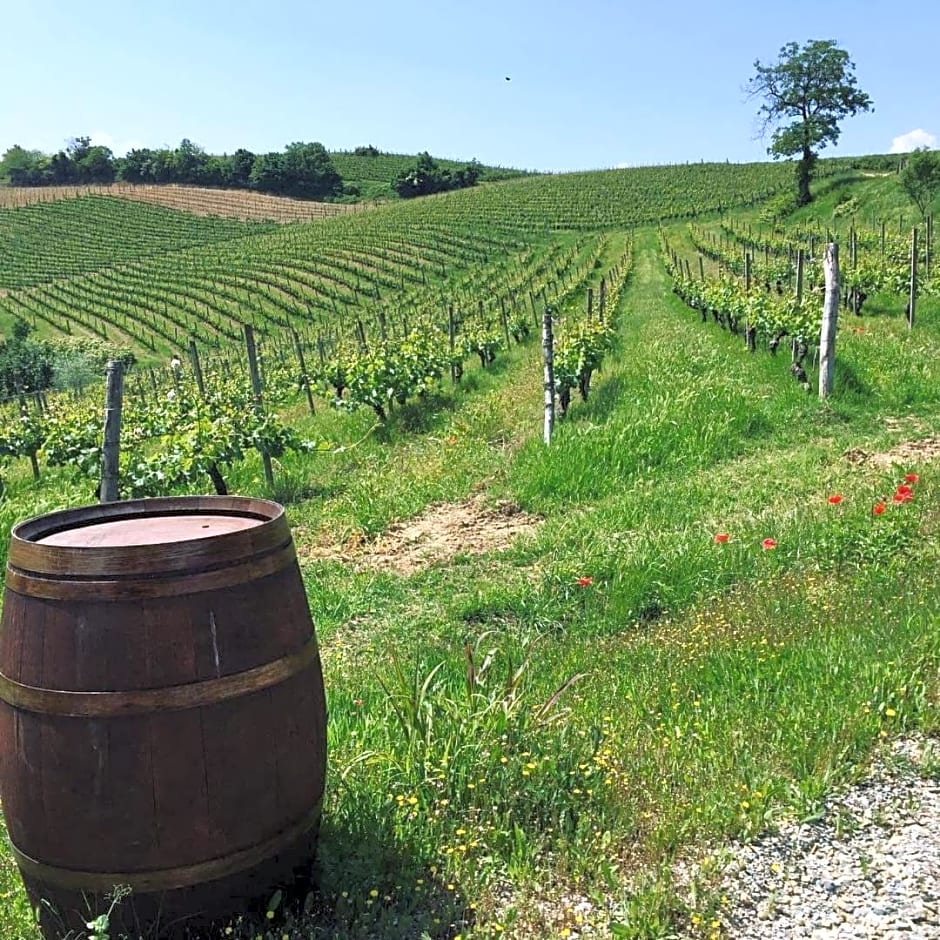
(912,301)
(827,333)
(256,389)
(548,351)
(110,452)
(301,361)
(197,368)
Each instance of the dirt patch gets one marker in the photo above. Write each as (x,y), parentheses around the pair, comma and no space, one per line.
(444,531)
(907,452)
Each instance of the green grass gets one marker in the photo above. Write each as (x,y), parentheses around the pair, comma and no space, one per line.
(515,753)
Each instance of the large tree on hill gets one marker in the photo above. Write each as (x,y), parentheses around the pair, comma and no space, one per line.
(920,178)
(806,93)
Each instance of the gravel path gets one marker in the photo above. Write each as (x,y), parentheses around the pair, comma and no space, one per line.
(870,868)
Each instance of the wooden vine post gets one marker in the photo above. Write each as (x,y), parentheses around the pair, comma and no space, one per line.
(827,333)
(452,342)
(912,302)
(256,390)
(799,276)
(197,368)
(302,362)
(548,351)
(928,245)
(110,452)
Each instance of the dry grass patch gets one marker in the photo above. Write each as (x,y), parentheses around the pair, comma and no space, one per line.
(444,531)
(902,454)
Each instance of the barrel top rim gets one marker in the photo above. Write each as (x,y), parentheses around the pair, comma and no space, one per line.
(115,521)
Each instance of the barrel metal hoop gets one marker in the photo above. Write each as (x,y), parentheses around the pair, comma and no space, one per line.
(142,588)
(150,701)
(168,879)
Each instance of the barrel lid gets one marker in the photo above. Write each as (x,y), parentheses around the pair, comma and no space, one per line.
(148,535)
(154,530)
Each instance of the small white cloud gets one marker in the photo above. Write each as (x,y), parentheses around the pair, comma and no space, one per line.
(912,140)
(623,166)
(118,147)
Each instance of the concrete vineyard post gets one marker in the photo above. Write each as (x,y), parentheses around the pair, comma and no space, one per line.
(912,301)
(548,353)
(827,333)
(110,452)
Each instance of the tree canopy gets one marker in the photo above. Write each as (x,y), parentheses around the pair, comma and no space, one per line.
(427,176)
(303,169)
(920,178)
(807,92)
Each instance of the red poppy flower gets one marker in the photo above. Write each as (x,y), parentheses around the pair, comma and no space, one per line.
(911,478)
(585,581)
(768,544)
(835,499)
(905,490)
(721,538)
(903,496)
(879,508)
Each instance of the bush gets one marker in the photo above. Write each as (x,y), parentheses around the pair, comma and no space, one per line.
(778,207)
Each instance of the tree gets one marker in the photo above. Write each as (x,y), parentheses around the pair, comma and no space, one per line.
(427,177)
(188,162)
(20,163)
(137,166)
(920,178)
(25,364)
(241,164)
(309,171)
(96,166)
(813,87)
(267,173)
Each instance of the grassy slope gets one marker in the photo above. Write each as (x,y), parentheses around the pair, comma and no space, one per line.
(718,687)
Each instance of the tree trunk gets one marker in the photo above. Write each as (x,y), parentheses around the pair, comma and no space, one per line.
(804,173)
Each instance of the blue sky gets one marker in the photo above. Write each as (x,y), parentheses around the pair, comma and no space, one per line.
(593,84)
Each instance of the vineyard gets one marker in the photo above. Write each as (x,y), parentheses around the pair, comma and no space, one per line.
(197,200)
(74,236)
(719,595)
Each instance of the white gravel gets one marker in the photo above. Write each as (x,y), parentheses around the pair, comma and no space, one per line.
(869,868)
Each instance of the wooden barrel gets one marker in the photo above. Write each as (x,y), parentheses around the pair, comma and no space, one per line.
(162,714)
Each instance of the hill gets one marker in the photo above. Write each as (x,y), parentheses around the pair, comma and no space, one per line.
(565,681)
(406,254)
(197,200)
(374,173)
